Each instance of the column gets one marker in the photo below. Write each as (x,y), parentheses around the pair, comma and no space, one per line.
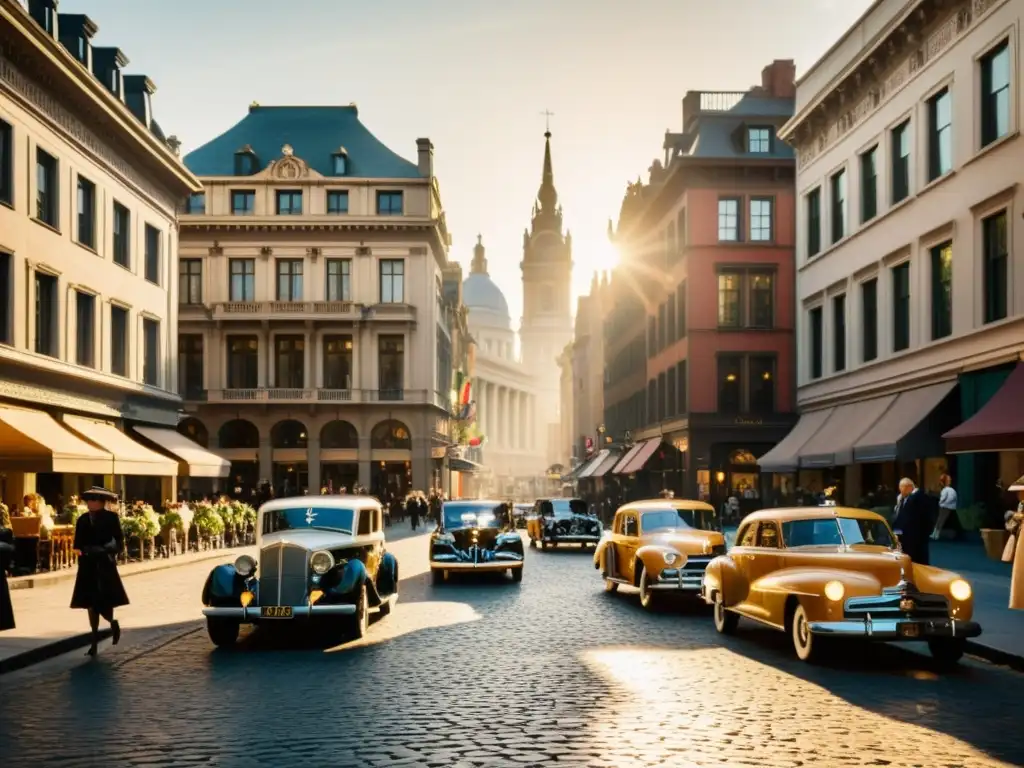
(364,460)
(213,358)
(492,408)
(421,463)
(307,378)
(517,422)
(313,463)
(479,394)
(266,458)
(265,377)
(502,429)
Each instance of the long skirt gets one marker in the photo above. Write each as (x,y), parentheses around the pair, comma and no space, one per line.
(98,584)
(1017,577)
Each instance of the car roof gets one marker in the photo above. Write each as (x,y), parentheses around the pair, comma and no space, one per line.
(783,514)
(473,502)
(647,505)
(329,502)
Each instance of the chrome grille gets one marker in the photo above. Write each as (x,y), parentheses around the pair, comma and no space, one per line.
(284,578)
(696,565)
(893,604)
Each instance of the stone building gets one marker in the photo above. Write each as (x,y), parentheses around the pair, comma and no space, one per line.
(88,256)
(316,327)
(910,281)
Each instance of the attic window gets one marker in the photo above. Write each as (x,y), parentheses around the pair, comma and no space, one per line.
(759,140)
(245,161)
(339,162)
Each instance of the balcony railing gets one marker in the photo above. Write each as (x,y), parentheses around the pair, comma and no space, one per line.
(240,310)
(301,395)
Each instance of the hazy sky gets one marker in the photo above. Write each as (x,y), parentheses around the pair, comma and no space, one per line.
(473,76)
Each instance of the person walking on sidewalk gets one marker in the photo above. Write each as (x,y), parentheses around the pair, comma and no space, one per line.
(1016,525)
(947,505)
(912,521)
(413,507)
(98,587)
(6,558)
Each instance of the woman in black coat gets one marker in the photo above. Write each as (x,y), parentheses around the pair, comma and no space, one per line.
(99,540)
(6,555)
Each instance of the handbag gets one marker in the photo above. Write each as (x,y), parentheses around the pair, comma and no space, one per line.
(1010,549)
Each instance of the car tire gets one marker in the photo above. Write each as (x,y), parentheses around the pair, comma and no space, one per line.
(947,651)
(725,620)
(436,577)
(361,618)
(517,575)
(223,632)
(648,599)
(805,644)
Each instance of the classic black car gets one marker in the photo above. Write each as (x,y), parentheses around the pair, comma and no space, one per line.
(475,536)
(521,511)
(562,521)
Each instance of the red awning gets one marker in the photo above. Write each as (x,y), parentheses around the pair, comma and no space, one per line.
(640,457)
(998,426)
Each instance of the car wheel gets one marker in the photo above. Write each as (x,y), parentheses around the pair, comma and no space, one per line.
(361,618)
(647,597)
(610,586)
(436,576)
(947,651)
(223,632)
(804,642)
(725,620)
(517,575)
(386,601)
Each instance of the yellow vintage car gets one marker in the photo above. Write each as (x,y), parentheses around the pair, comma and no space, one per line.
(834,572)
(659,546)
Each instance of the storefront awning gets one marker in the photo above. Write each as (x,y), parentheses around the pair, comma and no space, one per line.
(832,445)
(590,466)
(193,459)
(998,426)
(893,437)
(624,461)
(641,457)
(607,464)
(464,465)
(129,457)
(33,441)
(785,457)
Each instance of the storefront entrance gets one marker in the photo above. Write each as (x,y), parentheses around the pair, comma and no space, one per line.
(390,479)
(338,475)
(291,479)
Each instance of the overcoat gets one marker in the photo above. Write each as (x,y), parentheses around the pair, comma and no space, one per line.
(6,555)
(98,584)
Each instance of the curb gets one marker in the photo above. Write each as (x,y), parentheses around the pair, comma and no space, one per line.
(48,651)
(995,656)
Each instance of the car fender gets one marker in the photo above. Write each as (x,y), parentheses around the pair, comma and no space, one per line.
(653,558)
(346,577)
(224,586)
(599,553)
(782,588)
(724,577)
(387,575)
(928,578)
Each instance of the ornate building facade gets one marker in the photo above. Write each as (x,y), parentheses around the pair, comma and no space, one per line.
(88,260)
(910,282)
(316,305)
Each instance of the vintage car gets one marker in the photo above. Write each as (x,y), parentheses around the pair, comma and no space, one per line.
(320,557)
(520,512)
(475,536)
(833,572)
(562,521)
(660,546)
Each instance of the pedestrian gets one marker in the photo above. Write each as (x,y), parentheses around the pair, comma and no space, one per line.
(413,508)
(913,519)
(98,540)
(1015,524)
(6,559)
(947,504)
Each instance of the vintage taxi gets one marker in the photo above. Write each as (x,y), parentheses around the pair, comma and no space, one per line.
(562,521)
(320,557)
(660,546)
(475,536)
(819,573)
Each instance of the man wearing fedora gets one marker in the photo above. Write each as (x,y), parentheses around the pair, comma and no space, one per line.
(99,540)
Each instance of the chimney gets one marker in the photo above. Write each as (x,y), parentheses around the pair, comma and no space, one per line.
(779,79)
(691,108)
(425,157)
(76,30)
(175,144)
(45,14)
(137,92)
(107,64)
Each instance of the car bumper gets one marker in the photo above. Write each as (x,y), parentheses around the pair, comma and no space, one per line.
(251,614)
(897,629)
(491,565)
(686,582)
(583,539)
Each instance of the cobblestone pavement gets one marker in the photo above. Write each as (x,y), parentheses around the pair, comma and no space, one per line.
(552,672)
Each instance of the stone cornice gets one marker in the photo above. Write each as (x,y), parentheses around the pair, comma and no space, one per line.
(923,34)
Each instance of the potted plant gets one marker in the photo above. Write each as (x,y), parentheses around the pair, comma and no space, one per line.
(175,523)
(209,524)
(73,509)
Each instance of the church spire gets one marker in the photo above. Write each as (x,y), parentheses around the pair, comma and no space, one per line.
(479,266)
(547,196)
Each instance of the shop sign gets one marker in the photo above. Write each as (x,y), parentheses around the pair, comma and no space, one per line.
(748,422)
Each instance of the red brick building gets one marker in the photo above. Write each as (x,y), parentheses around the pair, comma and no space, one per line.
(699,338)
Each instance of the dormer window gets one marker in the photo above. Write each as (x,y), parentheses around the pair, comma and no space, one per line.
(339,162)
(759,140)
(245,161)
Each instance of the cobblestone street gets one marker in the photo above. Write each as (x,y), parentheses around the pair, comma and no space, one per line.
(488,673)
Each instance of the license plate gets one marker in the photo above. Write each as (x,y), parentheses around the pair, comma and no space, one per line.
(275,612)
(910,630)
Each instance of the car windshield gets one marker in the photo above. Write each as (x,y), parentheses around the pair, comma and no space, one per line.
(812,533)
(860,531)
(472,516)
(674,519)
(325,518)
(566,507)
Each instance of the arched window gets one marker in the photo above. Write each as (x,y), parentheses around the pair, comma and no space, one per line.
(339,162)
(239,433)
(196,431)
(289,434)
(245,161)
(338,434)
(391,435)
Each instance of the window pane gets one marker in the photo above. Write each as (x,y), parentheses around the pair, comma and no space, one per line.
(729,291)
(994,264)
(119,341)
(151,352)
(839,333)
(762,301)
(869,184)
(900,162)
(814,223)
(901,307)
(761,220)
(85,329)
(730,385)
(728,220)
(337,352)
(817,342)
(762,384)
(940,148)
(838,206)
(869,318)
(243,360)
(942,290)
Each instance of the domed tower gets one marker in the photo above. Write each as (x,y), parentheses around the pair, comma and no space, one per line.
(489,320)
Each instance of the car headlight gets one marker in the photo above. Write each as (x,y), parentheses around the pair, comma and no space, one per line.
(445,538)
(245,566)
(321,562)
(834,591)
(670,558)
(960,590)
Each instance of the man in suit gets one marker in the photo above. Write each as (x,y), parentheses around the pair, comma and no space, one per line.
(913,521)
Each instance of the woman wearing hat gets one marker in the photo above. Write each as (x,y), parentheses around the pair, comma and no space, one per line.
(98,588)
(6,557)
(1017,575)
